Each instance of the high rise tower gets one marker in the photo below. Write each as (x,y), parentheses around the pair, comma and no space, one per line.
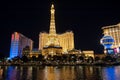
(52,38)
(18,42)
(114,32)
(52,43)
(52,30)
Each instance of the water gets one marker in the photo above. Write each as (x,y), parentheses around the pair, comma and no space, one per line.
(59,73)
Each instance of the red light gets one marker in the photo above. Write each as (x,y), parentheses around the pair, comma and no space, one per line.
(12,36)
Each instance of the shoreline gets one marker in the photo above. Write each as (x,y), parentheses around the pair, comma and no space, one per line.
(50,64)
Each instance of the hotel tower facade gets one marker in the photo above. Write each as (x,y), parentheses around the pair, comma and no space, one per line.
(52,43)
(18,42)
(113,31)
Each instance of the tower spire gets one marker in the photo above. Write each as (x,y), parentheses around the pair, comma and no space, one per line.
(52,30)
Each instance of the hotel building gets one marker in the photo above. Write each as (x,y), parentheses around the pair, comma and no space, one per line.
(114,31)
(52,43)
(18,42)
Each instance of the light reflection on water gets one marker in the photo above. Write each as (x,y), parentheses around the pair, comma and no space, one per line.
(111,73)
(59,73)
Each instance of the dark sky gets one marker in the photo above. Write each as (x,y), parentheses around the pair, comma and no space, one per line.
(84,18)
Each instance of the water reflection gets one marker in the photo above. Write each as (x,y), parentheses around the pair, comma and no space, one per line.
(111,73)
(59,73)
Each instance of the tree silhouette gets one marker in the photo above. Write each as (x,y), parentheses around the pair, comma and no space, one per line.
(24,58)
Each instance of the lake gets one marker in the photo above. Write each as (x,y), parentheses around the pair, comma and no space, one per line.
(59,73)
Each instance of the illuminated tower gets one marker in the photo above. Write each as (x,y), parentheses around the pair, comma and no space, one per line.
(52,37)
(18,42)
(59,43)
(52,30)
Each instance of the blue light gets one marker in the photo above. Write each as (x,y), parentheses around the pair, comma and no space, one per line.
(14,49)
(107,41)
(110,51)
(109,73)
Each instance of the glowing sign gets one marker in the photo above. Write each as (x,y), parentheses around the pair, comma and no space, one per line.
(107,41)
(110,51)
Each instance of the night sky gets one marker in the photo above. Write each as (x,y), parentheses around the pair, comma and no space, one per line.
(84,18)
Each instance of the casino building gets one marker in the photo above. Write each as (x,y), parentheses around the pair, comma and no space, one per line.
(114,32)
(55,44)
(18,42)
(49,43)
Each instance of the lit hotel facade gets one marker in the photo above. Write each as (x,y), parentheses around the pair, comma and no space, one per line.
(114,31)
(18,42)
(53,43)
(49,43)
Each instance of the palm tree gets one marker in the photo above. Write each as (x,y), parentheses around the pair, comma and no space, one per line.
(90,59)
(24,58)
(40,57)
(108,58)
(34,58)
(81,58)
(26,51)
(97,59)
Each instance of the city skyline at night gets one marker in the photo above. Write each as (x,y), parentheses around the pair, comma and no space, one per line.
(85,19)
